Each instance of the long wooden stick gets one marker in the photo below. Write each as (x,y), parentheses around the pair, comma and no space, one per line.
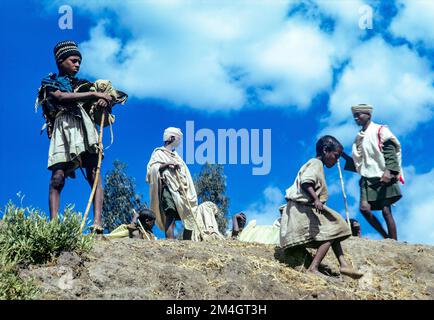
(98,169)
(344,194)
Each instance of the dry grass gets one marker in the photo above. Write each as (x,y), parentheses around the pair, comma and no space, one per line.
(238,270)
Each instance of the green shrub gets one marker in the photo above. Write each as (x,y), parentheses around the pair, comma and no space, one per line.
(13,287)
(27,237)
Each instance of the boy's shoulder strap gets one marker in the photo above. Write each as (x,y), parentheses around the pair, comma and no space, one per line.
(379,138)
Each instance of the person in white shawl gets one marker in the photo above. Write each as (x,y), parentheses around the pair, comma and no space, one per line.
(376,156)
(173,195)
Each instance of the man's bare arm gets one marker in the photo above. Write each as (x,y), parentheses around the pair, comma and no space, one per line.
(79,96)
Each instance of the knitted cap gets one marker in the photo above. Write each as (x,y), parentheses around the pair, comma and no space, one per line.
(65,49)
(363,108)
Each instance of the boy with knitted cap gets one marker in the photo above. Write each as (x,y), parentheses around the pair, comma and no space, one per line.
(376,156)
(74,139)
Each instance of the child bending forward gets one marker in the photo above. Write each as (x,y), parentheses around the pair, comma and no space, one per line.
(306,221)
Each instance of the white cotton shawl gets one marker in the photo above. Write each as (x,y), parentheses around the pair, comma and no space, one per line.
(198,218)
(207,222)
(367,155)
(176,187)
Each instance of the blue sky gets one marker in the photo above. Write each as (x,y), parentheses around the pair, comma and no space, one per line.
(294,67)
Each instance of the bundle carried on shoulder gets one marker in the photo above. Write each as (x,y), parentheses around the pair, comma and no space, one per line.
(104,86)
(51,109)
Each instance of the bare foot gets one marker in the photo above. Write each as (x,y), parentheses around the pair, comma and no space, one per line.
(316,273)
(350,272)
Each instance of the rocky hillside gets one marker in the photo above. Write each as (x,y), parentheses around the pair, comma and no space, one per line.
(137,269)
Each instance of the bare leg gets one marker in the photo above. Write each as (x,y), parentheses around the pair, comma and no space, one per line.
(365,209)
(390,222)
(344,267)
(319,256)
(339,253)
(57,182)
(170,226)
(99,195)
(186,235)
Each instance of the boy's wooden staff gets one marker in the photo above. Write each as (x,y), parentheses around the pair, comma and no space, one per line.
(344,194)
(98,169)
(143,230)
(189,206)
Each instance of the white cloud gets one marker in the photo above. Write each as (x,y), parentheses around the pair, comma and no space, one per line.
(346,16)
(208,55)
(345,133)
(351,184)
(213,55)
(193,78)
(352,192)
(395,80)
(415,21)
(413,213)
(345,12)
(266,210)
(295,61)
(180,51)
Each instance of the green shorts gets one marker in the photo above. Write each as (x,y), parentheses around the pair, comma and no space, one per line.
(378,194)
(167,205)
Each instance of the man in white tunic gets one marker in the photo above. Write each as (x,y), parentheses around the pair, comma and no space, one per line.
(376,156)
(173,196)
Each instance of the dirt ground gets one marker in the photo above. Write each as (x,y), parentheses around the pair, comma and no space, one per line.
(172,269)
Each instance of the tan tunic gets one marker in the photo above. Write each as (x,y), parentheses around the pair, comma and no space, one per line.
(302,223)
(71,137)
(310,172)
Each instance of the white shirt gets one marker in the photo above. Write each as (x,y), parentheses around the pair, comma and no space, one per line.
(368,156)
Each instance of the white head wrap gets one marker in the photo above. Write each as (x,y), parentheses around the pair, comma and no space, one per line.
(362,107)
(173,132)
